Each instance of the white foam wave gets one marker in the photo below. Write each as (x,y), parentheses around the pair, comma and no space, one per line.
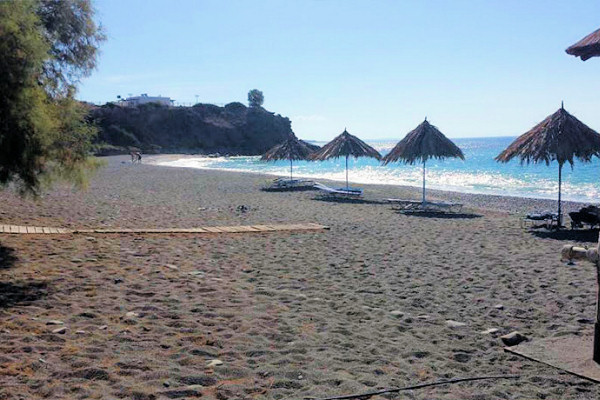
(482,182)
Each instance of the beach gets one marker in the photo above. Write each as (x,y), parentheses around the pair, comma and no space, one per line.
(362,306)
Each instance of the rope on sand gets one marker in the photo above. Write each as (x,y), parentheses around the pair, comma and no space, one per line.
(424,385)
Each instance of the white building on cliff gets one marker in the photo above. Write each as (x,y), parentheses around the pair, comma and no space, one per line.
(145,99)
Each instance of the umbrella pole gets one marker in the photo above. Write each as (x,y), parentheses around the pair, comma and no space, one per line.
(291,169)
(347,186)
(423,182)
(559,199)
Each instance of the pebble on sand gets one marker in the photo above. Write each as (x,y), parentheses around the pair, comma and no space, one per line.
(60,331)
(455,324)
(173,267)
(513,338)
(489,331)
(214,363)
(54,322)
(397,313)
(499,307)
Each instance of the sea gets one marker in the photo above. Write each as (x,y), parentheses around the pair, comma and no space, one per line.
(478,173)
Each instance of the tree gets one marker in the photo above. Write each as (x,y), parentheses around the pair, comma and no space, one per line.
(255,98)
(46,46)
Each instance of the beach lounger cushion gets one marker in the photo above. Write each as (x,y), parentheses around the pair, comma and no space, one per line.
(347,193)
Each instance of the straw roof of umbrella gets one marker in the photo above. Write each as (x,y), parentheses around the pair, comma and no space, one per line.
(422,143)
(345,145)
(560,137)
(587,47)
(292,149)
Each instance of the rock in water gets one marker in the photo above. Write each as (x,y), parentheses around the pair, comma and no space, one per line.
(513,338)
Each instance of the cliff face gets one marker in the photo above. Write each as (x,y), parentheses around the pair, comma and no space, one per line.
(204,128)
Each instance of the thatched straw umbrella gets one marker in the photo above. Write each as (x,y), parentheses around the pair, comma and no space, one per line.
(345,145)
(422,143)
(560,137)
(587,47)
(292,149)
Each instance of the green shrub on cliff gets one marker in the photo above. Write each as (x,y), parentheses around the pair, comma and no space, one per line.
(255,98)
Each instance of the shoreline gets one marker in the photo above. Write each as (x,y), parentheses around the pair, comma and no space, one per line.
(484,201)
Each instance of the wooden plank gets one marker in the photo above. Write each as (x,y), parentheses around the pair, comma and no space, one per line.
(277,227)
(241,228)
(212,229)
(263,228)
(204,229)
(228,229)
(248,228)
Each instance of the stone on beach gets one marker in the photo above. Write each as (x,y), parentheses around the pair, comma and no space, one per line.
(489,331)
(513,338)
(455,324)
(54,322)
(214,363)
(60,331)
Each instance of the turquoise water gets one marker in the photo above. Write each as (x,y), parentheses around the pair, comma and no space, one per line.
(479,173)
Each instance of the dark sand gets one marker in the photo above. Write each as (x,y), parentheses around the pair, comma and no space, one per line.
(289,314)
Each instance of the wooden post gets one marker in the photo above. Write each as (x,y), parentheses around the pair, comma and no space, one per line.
(347,187)
(291,170)
(559,199)
(592,255)
(424,182)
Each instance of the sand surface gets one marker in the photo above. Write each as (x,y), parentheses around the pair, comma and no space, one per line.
(357,308)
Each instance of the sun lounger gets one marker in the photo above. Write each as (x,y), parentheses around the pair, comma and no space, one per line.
(428,206)
(589,215)
(548,219)
(344,193)
(283,184)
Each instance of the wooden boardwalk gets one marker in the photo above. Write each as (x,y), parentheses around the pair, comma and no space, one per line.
(36,230)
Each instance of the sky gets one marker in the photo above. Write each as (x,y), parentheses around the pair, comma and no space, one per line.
(474,68)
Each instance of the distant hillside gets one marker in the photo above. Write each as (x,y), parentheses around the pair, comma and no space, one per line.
(204,128)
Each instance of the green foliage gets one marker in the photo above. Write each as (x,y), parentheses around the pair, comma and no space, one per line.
(255,98)
(73,36)
(44,135)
